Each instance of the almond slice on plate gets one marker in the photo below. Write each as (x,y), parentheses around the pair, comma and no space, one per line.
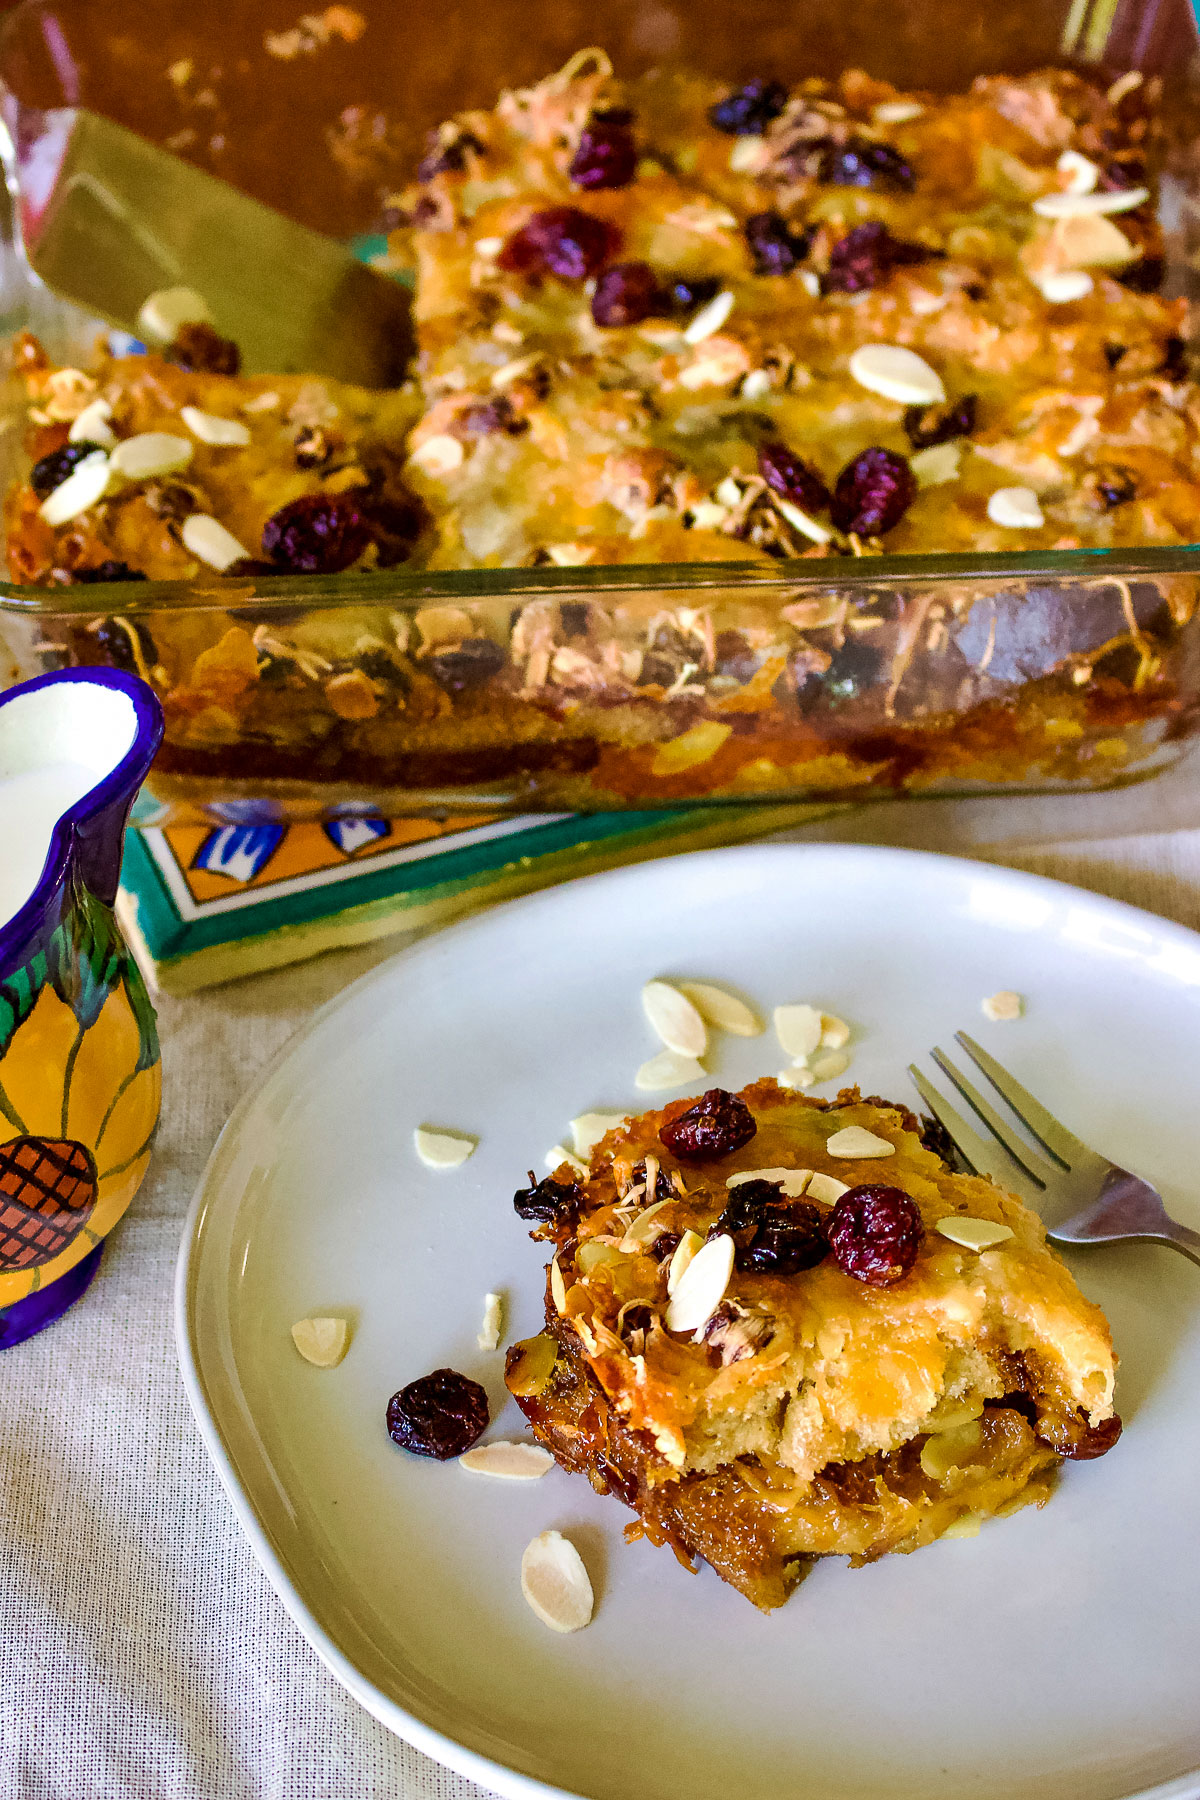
(827,1065)
(668,1070)
(322,1342)
(728,1012)
(1004,1005)
(558,1154)
(488,1336)
(798,1029)
(858,1142)
(443,1149)
(590,1127)
(555,1582)
(674,1019)
(798,1075)
(835,1033)
(507,1460)
(702,1286)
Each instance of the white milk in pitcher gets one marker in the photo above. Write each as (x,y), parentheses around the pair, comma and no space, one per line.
(31,804)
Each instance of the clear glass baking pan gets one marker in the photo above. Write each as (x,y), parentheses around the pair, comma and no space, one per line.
(617,686)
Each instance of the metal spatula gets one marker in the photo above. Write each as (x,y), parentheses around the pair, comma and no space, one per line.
(106,219)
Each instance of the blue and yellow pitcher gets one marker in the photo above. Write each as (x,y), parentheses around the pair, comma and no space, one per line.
(79,1065)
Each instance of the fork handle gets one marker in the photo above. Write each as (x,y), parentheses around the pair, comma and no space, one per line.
(1181,1237)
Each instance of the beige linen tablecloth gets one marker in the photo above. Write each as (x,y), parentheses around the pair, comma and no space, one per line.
(142,1652)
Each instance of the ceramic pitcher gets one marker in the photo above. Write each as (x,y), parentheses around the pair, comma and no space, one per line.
(79,1065)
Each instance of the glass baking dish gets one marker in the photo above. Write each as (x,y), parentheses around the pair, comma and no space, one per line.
(618,686)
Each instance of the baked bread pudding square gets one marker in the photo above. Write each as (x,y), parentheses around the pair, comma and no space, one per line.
(781,1328)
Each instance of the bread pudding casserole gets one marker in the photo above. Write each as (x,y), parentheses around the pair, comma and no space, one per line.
(781,1328)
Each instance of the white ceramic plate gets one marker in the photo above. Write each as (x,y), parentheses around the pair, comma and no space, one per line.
(1054,1657)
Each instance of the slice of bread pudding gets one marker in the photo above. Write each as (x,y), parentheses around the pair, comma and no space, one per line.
(781,1328)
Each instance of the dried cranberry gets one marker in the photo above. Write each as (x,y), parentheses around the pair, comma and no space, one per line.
(776,249)
(560,241)
(108,571)
(862,164)
(607,155)
(748,110)
(873,492)
(875,1233)
(197,346)
(665,1245)
(475,661)
(547,1201)
(53,470)
(866,256)
(718,1124)
(491,416)
(928,425)
(440,1415)
(1091,1441)
(787,474)
(318,534)
(625,294)
(684,293)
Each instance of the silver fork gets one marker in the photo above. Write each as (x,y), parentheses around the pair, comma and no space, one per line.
(1082,1197)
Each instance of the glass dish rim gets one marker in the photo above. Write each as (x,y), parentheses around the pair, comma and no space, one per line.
(399,589)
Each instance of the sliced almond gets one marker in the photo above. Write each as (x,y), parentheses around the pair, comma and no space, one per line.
(322,1342)
(555,1582)
(896,112)
(826,1065)
(91,426)
(810,281)
(1003,1005)
(710,318)
(897,374)
(936,466)
(674,1018)
(728,1012)
(211,428)
(1076,206)
(858,1142)
(594,1254)
(1081,172)
(798,1029)
(835,1033)
(590,1127)
(1016,508)
(701,1287)
(488,1336)
(558,1154)
(826,1188)
(443,1149)
(668,1070)
(1063,285)
(87,483)
(439,455)
(558,1287)
(973,1234)
(794,1182)
(757,383)
(685,1253)
(163,312)
(645,1228)
(796,1075)
(207,539)
(151,453)
(507,1461)
(965,1526)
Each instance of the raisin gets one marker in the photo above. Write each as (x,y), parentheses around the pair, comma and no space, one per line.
(475,661)
(873,492)
(318,534)
(853,669)
(866,256)
(197,346)
(607,155)
(440,1415)
(313,447)
(1086,1442)
(875,1233)
(734,657)
(560,241)
(548,1201)
(625,294)
(776,249)
(395,526)
(1113,354)
(108,571)
(937,1140)
(1115,486)
(787,474)
(684,293)
(1175,361)
(1122,173)
(928,425)
(665,1245)
(861,163)
(748,110)
(718,1124)
(1146,276)
(772,1235)
(492,416)
(53,470)
(441,159)
(121,643)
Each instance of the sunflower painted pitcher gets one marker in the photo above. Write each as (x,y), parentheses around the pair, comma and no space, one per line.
(79,1068)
